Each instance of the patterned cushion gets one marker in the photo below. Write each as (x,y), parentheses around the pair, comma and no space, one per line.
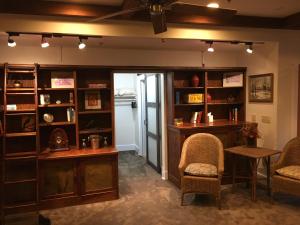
(290,171)
(201,169)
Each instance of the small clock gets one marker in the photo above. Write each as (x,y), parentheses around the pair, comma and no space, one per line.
(59,140)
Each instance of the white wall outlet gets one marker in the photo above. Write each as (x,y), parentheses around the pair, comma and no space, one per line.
(265,119)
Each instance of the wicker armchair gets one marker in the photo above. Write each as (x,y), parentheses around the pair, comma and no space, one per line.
(207,149)
(290,156)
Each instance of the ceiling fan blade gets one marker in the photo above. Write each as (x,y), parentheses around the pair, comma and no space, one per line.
(119,13)
(159,22)
(191,9)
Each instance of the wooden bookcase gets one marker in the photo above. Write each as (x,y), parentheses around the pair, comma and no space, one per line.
(218,99)
(1,141)
(36,176)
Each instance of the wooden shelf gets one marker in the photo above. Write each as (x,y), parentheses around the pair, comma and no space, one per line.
(223,87)
(188,88)
(74,153)
(186,104)
(21,155)
(225,103)
(19,89)
(216,123)
(57,105)
(20,93)
(56,124)
(21,134)
(21,181)
(20,111)
(94,112)
(92,89)
(20,71)
(92,131)
(56,89)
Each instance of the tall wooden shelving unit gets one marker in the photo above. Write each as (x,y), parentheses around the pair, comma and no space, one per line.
(37,177)
(1,142)
(20,174)
(219,100)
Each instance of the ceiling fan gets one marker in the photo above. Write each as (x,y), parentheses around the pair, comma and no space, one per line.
(157,10)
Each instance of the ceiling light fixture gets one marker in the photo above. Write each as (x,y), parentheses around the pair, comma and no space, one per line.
(44,42)
(210,48)
(249,48)
(10,42)
(214,5)
(81,44)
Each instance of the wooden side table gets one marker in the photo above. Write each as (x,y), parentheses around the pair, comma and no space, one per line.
(253,154)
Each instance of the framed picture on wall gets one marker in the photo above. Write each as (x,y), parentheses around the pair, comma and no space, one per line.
(261,88)
(92,100)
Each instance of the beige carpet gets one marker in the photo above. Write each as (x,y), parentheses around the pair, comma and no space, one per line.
(146,199)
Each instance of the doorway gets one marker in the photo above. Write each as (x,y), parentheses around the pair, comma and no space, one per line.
(138,115)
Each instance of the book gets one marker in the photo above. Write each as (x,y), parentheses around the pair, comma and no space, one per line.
(199,117)
(194,117)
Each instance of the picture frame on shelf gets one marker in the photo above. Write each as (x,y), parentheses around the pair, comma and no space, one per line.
(261,88)
(233,80)
(92,100)
(28,123)
(62,80)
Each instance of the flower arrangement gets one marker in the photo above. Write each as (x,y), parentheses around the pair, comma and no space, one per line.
(250,130)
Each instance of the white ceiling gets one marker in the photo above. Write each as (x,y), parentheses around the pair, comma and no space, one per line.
(265,8)
(123,43)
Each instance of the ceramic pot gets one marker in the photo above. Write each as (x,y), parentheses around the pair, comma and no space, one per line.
(251,142)
(208,97)
(195,80)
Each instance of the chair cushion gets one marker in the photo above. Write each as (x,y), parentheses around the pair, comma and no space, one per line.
(290,171)
(201,169)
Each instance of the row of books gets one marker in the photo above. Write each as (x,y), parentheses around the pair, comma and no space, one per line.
(196,117)
(233,114)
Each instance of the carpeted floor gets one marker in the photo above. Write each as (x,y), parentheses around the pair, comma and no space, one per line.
(145,199)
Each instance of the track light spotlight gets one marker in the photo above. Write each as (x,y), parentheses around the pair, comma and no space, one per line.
(249,48)
(213,5)
(44,43)
(81,44)
(210,48)
(11,42)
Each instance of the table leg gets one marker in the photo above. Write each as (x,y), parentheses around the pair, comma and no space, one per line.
(254,179)
(233,171)
(268,175)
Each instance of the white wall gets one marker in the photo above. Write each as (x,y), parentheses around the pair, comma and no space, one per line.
(264,60)
(125,116)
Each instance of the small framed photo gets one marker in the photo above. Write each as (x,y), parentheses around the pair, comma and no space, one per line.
(92,100)
(62,80)
(233,80)
(261,88)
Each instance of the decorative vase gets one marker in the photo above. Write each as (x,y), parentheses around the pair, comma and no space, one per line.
(251,142)
(195,80)
(208,97)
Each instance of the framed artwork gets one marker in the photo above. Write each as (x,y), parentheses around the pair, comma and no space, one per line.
(233,80)
(62,80)
(92,100)
(261,88)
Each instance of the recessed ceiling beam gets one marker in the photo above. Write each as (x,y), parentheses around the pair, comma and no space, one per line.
(49,8)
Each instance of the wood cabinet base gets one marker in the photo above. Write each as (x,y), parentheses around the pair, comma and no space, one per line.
(78,200)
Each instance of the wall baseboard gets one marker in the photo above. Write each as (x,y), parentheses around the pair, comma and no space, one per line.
(128,147)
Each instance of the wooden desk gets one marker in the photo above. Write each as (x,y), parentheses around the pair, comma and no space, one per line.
(253,154)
